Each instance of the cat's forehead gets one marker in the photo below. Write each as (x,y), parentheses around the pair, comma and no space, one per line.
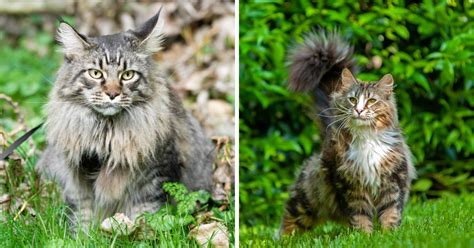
(364,88)
(113,42)
(112,51)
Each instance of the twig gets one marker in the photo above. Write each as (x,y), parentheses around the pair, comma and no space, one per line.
(8,199)
(21,210)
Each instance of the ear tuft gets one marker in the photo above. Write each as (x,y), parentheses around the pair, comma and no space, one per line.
(347,79)
(150,34)
(387,80)
(386,83)
(72,42)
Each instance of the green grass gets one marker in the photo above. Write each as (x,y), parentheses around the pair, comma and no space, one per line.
(447,222)
(50,228)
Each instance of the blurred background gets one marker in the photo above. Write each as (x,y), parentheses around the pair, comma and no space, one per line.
(198,52)
(198,57)
(428,46)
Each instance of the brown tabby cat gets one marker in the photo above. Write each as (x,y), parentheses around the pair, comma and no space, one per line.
(365,166)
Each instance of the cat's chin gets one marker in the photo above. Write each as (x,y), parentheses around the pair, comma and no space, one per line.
(107,111)
(359,122)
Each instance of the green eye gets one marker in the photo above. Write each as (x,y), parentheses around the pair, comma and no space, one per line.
(371,101)
(353,100)
(96,74)
(127,75)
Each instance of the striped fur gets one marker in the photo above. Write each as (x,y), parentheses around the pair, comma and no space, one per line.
(113,141)
(364,169)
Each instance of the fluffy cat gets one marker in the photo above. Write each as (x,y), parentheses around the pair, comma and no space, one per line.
(116,130)
(364,168)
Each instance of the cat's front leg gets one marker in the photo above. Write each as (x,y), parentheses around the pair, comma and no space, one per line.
(145,206)
(361,210)
(81,206)
(76,192)
(299,216)
(390,206)
(149,198)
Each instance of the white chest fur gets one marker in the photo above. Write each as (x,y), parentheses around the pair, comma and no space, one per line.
(366,152)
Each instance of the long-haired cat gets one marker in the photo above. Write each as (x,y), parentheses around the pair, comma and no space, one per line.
(116,130)
(364,168)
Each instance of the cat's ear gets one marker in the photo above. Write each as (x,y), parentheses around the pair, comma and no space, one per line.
(72,42)
(149,34)
(347,79)
(386,84)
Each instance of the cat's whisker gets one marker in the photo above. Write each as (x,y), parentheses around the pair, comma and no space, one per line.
(337,120)
(329,109)
(338,105)
(330,115)
(343,125)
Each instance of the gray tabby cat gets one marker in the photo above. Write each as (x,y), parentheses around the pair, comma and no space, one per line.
(116,131)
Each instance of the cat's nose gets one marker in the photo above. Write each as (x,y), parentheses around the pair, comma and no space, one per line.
(112,94)
(358,111)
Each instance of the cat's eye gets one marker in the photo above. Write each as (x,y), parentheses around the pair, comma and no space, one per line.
(353,100)
(371,101)
(96,74)
(127,75)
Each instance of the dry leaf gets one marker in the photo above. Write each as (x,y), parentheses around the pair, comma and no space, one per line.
(215,233)
(216,117)
(224,173)
(5,200)
(119,223)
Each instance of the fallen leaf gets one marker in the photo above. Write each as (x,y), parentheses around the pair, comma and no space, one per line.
(5,200)
(215,233)
(216,117)
(119,223)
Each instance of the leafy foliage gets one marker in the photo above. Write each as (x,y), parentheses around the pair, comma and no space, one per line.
(27,69)
(186,201)
(186,211)
(428,47)
(170,217)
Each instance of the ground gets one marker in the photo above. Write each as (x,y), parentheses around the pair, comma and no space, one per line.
(445,222)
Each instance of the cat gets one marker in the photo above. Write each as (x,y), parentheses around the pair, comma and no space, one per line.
(364,167)
(116,130)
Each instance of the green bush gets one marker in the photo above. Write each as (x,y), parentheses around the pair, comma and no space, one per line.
(427,46)
(27,71)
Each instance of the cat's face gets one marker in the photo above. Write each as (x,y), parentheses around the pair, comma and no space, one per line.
(365,104)
(111,73)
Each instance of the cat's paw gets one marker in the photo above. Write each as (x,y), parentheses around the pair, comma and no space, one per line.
(363,223)
(390,219)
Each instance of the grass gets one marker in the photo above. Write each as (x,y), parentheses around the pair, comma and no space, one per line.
(50,227)
(446,222)
(44,222)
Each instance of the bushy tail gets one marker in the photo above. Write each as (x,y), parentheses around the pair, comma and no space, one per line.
(316,66)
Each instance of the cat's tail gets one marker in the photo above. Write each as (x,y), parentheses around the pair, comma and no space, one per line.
(316,66)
